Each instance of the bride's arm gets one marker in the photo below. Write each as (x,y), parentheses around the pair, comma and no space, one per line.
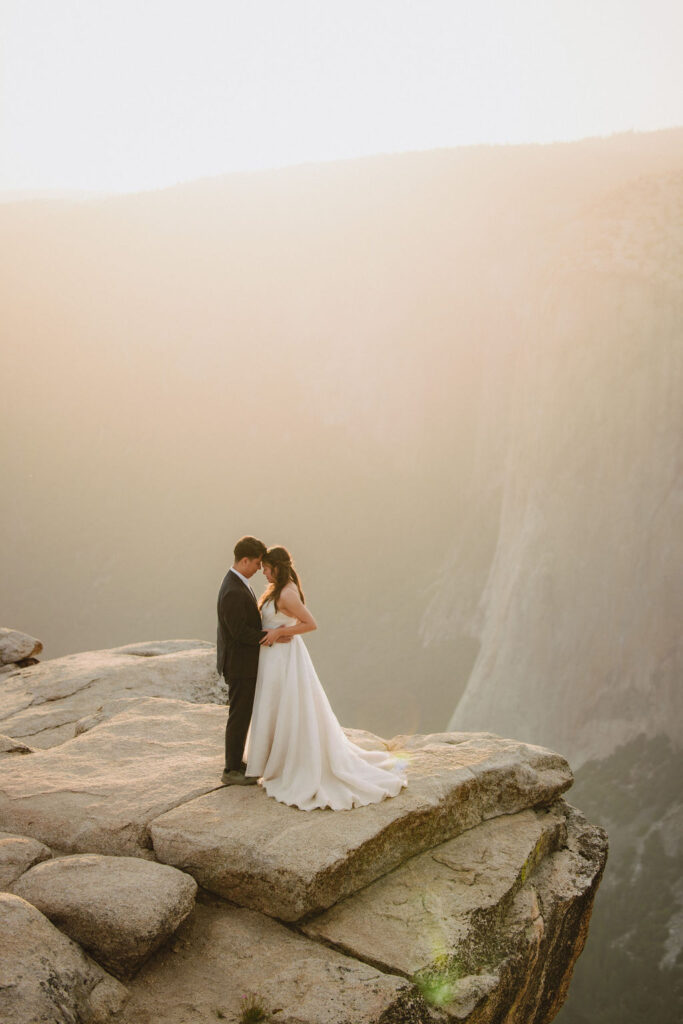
(291,604)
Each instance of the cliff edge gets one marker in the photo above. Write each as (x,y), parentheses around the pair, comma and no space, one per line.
(136,889)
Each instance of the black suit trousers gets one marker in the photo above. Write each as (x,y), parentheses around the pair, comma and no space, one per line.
(241,700)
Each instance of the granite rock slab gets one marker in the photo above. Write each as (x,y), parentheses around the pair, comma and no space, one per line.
(98,792)
(223,954)
(444,900)
(488,925)
(41,704)
(289,863)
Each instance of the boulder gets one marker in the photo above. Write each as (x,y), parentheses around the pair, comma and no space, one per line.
(289,863)
(120,909)
(46,977)
(10,746)
(15,646)
(17,855)
(223,954)
(41,704)
(98,792)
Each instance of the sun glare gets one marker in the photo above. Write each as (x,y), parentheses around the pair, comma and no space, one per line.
(123,96)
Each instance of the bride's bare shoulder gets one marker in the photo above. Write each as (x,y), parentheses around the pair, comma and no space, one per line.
(289,594)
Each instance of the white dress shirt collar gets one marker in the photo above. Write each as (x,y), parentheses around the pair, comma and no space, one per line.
(243,578)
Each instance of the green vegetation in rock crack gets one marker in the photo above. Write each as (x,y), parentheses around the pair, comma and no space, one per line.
(524,872)
(252,1010)
(219,1013)
(532,861)
(437,985)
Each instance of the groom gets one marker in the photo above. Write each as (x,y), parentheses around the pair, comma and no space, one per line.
(237,653)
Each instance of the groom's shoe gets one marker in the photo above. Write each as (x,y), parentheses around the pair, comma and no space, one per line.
(235,777)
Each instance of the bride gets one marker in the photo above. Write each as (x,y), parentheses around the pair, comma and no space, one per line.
(295,743)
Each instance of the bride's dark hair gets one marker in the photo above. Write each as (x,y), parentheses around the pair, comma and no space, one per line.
(280,562)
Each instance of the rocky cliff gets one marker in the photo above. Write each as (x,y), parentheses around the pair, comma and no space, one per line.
(579,617)
(137,889)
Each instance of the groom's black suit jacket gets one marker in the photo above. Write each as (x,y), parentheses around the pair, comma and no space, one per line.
(239,630)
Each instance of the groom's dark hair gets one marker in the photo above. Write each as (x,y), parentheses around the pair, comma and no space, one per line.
(249,547)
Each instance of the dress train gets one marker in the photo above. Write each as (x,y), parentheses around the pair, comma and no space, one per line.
(295,743)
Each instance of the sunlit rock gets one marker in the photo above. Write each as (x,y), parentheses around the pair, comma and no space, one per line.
(289,863)
(98,792)
(16,646)
(42,703)
(465,898)
(9,746)
(120,909)
(492,920)
(224,953)
(45,976)
(445,901)
(17,855)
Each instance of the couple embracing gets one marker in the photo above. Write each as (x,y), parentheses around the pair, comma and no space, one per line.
(279,716)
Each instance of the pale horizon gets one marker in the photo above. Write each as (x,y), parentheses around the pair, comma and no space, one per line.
(117,99)
(75,192)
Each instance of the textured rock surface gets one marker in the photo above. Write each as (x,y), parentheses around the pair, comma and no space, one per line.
(97,792)
(223,953)
(15,646)
(41,704)
(546,929)
(289,863)
(11,746)
(18,854)
(46,977)
(120,909)
(446,900)
(491,921)
(467,897)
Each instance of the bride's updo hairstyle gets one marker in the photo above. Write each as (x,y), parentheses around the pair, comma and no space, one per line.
(279,561)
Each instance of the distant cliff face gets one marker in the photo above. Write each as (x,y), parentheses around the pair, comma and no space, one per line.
(578,616)
(465,898)
(579,620)
(449,334)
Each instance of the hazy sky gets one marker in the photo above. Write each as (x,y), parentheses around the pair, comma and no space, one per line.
(127,95)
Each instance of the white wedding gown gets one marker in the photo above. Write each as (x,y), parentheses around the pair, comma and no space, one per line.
(295,744)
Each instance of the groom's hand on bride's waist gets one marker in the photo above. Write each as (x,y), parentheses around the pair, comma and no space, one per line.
(269,638)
